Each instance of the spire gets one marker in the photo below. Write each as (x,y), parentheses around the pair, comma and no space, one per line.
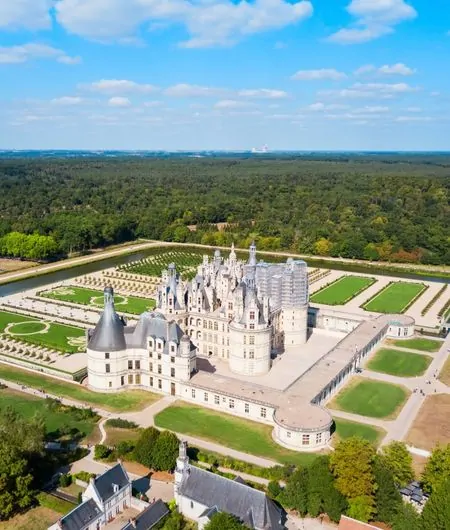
(108,334)
(232,256)
(252,258)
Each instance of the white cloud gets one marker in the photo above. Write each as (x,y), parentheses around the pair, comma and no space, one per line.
(368,109)
(414,109)
(208,22)
(370,91)
(385,70)
(413,118)
(27,14)
(319,106)
(373,19)
(26,52)
(118,101)
(67,101)
(118,86)
(183,90)
(262,93)
(319,75)
(231,104)
(153,104)
(366,69)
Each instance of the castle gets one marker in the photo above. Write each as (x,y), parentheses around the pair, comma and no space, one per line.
(242,338)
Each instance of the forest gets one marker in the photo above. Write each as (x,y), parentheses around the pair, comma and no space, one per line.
(385,207)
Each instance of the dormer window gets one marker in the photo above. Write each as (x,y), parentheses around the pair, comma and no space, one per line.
(115,488)
(252,315)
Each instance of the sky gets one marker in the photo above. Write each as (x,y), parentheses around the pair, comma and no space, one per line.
(225,74)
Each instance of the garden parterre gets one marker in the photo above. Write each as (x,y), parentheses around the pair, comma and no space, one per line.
(342,290)
(395,298)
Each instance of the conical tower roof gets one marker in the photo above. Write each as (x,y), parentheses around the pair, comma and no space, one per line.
(108,334)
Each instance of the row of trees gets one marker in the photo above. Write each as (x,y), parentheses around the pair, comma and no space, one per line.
(31,247)
(391,208)
(357,481)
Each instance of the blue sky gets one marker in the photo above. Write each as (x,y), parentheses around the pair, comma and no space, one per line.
(225,74)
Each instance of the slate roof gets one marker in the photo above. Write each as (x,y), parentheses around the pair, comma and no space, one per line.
(251,506)
(108,334)
(153,324)
(82,516)
(149,517)
(114,475)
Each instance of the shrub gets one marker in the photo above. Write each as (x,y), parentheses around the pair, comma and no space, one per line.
(101,452)
(65,480)
(124,448)
(143,452)
(273,489)
(119,423)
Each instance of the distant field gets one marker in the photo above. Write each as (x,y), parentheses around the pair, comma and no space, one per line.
(243,435)
(126,401)
(94,298)
(370,398)
(67,339)
(347,429)
(186,262)
(395,298)
(418,344)
(342,290)
(399,363)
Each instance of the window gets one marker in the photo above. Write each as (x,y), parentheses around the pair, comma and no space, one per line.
(138,379)
(205,397)
(137,365)
(159,356)
(247,408)
(159,369)
(106,355)
(193,392)
(150,367)
(216,326)
(251,326)
(122,380)
(110,384)
(245,354)
(251,339)
(288,434)
(192,504)
(172,359)
(230,305)
(151,381)
(305,439)
(210,325)
(245,339)
(172,348)
(130,365)
(130,379)
(159,347)
(231,403)
(318,438)
(263,412)
(108,368)
(205,324)
(172,372)
(251,354)
(252,315)
(151,355)
(216,400)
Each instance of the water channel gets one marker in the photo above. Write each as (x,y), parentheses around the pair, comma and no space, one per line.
(86,268)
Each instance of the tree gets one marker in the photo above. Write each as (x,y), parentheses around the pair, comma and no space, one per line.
(361,508)
(322,494)
(222,521)
(436,513)
(437,468)
(101,451)
(165,451)
(399,461)
(334,504)
(295,494)
(387,496)
(274,489)
(351,464)
(143,452)
(406,518)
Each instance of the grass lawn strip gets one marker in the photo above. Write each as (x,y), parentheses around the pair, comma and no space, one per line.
(419,343)
(399,363)
(27,406)
(375,399)
(94,298)
(239,434)
(444,376)
(342,290)
(127,401)
(347,429)
(39,518)
(395,298)
(61,337)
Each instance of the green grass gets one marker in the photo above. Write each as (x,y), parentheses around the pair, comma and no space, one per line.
(419,344)
(117,402)
(395,298)
(54,503)
(399,363)
(94,298)
(27,406)
(239,434)
(186,261)
(342,290)
(67,339)
(375,399)
(347,429)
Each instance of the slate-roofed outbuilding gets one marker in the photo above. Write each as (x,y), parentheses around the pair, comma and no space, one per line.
(149,517)
(81,517)
(105,483)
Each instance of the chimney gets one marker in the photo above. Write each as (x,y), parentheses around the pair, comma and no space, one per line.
(59,523)
(133,522)
(92,480)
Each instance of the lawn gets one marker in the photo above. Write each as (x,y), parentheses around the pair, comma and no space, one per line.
(126,401)
(371,398)
(444,376)
(115,435)
(94,298)
(342,290)
(67,339)
(399,363)
(239,434)
(347,429)
(186,262)
(395,298)
(39,518)
(27,406)
(421,344)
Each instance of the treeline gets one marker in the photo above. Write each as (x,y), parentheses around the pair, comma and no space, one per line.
(31,247)
(391,208)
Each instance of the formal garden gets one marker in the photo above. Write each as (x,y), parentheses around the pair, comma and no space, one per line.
(375,399)
(342,290)
(399,363)
(41,332)
(95,298)
(396,297)
(127,401)
(346,429)
(418,343)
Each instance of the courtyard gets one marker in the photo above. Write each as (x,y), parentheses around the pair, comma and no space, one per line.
(342,290)
(399,363)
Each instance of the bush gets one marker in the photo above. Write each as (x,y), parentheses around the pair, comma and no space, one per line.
(165,451)
(65,480)
(124,448)
(273,489)
(119,423)
(143,452)
(101,452)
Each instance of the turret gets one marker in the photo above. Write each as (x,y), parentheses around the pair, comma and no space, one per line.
(182,467)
